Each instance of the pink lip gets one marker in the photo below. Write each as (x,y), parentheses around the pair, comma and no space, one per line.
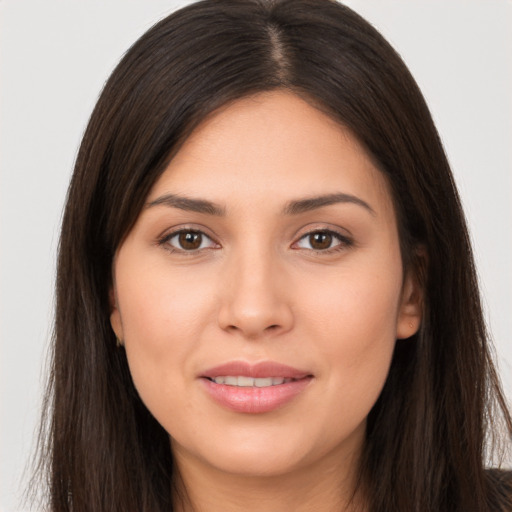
(258,370)
(254,399)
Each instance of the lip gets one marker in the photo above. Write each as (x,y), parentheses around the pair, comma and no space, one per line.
(257,370)
(255,400)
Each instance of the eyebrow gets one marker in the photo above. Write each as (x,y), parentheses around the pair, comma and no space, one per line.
(188,204)
(295,207)
(312,203)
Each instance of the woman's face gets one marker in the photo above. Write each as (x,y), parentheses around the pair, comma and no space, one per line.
(260,293)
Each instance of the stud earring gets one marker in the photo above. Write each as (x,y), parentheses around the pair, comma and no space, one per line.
(119,343)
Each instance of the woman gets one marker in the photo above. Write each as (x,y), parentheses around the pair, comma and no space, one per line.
(266,298)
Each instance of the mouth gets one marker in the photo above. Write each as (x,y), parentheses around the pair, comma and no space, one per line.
(243,381)
(255,388)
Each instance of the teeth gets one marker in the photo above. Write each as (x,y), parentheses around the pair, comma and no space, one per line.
(245,382)
(248,382)
(262,383)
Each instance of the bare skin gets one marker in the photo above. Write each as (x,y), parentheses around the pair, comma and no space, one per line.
(288,253)
(331,489)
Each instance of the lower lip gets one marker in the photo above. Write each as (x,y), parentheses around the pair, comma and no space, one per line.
(255,400)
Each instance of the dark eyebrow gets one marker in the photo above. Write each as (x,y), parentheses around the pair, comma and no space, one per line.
(188,204)
(312,203)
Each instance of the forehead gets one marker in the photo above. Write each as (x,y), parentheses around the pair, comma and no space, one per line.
(272,146)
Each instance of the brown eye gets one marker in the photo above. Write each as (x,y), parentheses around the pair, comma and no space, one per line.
(190,240)
(321,240)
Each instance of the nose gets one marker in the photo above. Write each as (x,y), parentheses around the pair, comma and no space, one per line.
(255,299)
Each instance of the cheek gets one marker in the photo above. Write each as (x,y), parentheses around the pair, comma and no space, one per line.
(157,300)
(164,315)
(353,322)
(353,304)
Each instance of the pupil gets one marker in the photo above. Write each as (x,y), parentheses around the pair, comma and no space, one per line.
(190,240)
(320,240)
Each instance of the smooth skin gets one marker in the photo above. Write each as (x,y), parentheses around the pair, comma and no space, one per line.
(252,272)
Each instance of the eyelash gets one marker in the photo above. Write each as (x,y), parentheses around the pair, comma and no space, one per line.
(165,241)
(344,242)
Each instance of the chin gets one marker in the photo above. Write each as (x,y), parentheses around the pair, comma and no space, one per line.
(248,454)
(258,463)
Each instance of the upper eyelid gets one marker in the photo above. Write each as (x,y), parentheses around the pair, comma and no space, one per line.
(336,234)
(323,230)
(170,232)
(338,231)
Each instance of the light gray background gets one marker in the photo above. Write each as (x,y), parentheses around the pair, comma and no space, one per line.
(55,57)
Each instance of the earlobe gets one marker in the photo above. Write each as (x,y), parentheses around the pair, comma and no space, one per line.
(115,316)
(411,308)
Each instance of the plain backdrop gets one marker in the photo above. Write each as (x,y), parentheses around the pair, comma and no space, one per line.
(56,55)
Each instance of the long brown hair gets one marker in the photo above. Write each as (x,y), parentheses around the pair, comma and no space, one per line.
(427,434)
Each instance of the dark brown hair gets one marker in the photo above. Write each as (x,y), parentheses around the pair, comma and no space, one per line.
(427,434)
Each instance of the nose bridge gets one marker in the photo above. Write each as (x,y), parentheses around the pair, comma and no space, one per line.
(254,302)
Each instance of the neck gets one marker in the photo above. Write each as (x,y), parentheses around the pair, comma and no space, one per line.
(328,486)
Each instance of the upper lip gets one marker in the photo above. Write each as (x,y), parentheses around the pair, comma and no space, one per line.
(255,370)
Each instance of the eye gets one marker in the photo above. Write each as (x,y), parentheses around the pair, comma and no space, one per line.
(323,240)
(188,240)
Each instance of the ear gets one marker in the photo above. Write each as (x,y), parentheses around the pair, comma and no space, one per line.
(411,307)
(115,315)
